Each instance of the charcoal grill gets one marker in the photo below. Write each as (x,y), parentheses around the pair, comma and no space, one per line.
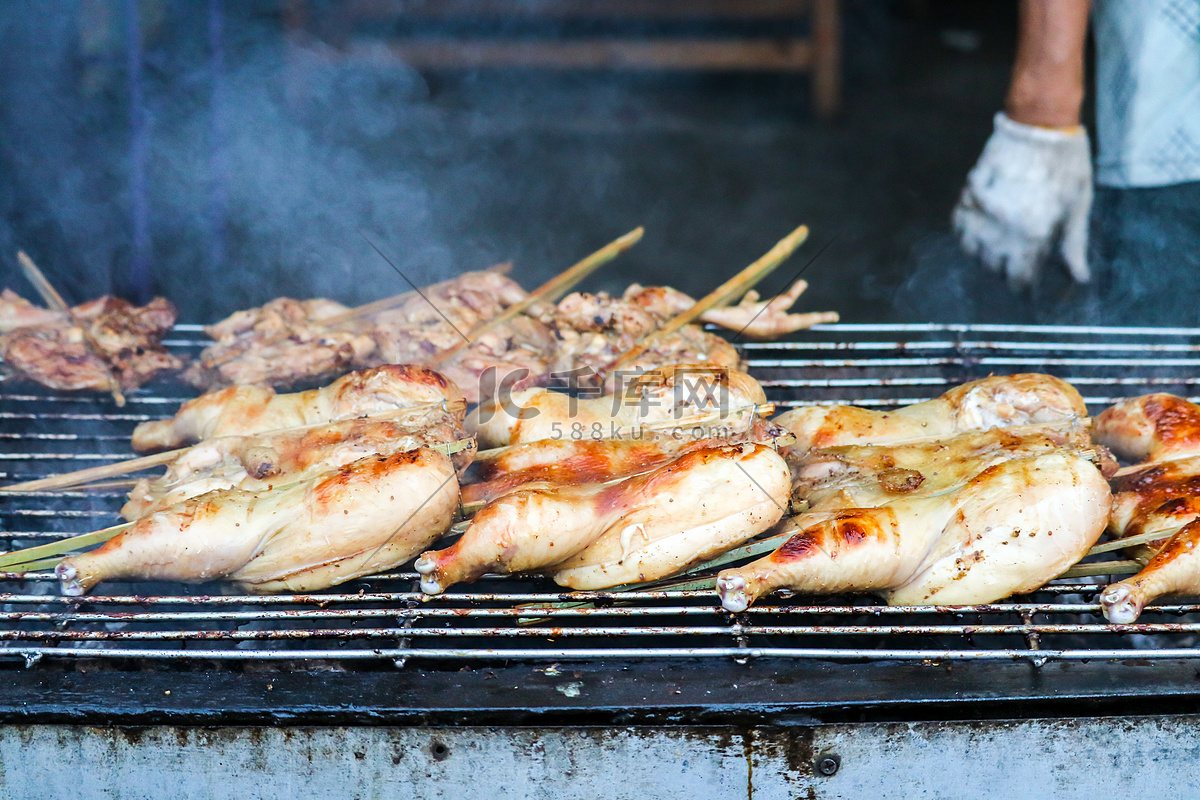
(517,651)
(387,618)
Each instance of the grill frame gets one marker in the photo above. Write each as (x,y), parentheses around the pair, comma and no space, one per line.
(390,621)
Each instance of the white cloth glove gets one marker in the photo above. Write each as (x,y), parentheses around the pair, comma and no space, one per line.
(1030,191)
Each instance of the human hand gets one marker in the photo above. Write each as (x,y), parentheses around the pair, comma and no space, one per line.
(1029,193)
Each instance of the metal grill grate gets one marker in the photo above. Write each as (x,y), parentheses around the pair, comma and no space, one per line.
(385,617)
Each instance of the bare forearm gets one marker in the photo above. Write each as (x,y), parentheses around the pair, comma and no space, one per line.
(1047,82)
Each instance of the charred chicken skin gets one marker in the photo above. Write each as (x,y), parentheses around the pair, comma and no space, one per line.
(649,526)
(1161,494)
(243,410)
(368,516)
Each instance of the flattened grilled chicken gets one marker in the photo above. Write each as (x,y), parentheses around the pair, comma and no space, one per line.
(563,461)
(280,344)
(258,462)
(646,527)
(365,517)
(1009,529)
(244,410)
(519,351)
(1160,494)
(862,476)
(56,353)
(999,401)
(683,396)
(593,330)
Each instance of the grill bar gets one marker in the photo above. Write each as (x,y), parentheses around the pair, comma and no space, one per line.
(383,618)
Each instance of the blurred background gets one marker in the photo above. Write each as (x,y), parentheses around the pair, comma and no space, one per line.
(224,153)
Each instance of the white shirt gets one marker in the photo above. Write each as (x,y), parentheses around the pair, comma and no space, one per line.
(1147,92)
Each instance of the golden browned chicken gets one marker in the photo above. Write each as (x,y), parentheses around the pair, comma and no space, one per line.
(686,398)
(1159,495)
(999,401)
(861,476)
(645,527)
(367,516)
(1009,529)
(563,461)
(261,461)
(243,410)
(894,506)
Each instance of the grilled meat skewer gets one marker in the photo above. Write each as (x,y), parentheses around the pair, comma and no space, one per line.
(999,401)
(260,461)
(645,527)
(51,349)
(1009,529)
(563,461)
(243,410)
(365,517)
(1161,494)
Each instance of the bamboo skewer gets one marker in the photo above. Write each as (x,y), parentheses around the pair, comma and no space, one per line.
(737,285)
(56,303)
(550,291)
(48,554)
(30,554)
(1102,568)
(81,476)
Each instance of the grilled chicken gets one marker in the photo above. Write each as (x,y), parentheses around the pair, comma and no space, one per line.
(518,352)
(680,399)
(999,401)
(243,410)
(646,527)
(862,476)
(563,461)
(1008,529)
(1162,494)
(126,344)
(261,461)
(594,330)
(281,344)
(365,517)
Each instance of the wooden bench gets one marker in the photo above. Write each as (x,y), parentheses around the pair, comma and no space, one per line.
(816,51)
